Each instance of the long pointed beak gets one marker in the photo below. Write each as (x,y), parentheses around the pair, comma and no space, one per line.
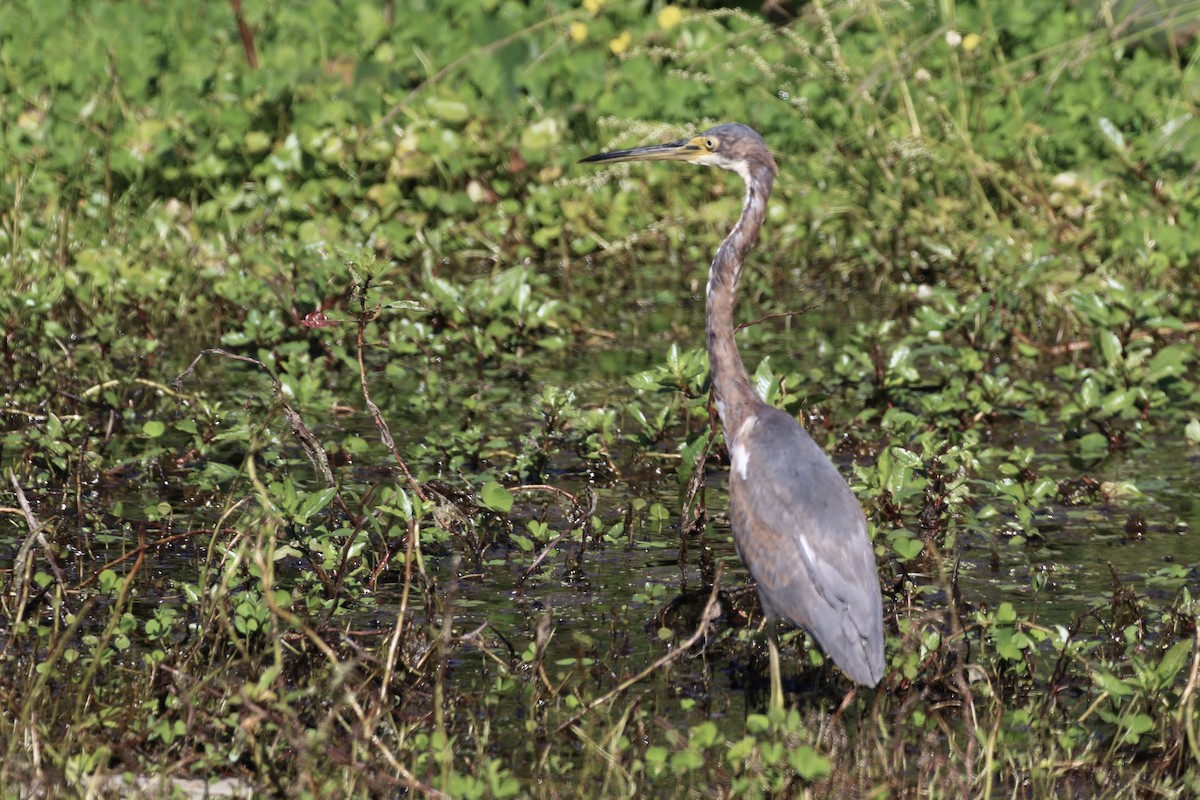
(683,150)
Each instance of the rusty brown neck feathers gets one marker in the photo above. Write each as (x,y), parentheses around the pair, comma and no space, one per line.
(735,396)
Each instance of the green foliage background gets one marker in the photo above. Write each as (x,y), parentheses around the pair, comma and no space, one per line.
(1004,199)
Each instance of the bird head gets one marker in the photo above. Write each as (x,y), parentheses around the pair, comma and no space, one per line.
(730,146)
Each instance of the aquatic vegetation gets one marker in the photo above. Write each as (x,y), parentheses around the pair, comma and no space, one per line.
(353,443)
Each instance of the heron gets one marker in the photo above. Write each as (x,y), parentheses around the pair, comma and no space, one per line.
(796,524)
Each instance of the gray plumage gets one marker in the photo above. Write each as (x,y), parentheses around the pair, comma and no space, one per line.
(802,534)
(796,524)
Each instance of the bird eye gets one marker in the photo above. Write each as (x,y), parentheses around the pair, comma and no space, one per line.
(711,144)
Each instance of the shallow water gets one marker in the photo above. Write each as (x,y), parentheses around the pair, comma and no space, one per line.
(606,606)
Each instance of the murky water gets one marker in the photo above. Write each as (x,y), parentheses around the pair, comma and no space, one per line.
(1142,539)
(605,604)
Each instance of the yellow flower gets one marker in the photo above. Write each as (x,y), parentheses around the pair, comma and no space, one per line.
(669,17)
(578,32)
(593,6)
(620,44)
(970,42)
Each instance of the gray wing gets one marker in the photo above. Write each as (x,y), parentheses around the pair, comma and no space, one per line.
(802,533)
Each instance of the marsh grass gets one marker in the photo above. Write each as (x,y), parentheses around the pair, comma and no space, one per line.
(300,492)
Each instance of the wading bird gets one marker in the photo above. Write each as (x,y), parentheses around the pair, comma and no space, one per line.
(795,522)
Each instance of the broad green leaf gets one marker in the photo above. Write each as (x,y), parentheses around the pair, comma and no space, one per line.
(764,381)
(1092,308)
(452,111)
(656,755)
(1170,362)
(1089,393)
(1111,683)
(908,548)
(1135,725)
(905,457)
(705,734)
(314,502)
(1093,445)
(1110,347)
(1117,401)
(495,497)
(1173,661)
(809,765)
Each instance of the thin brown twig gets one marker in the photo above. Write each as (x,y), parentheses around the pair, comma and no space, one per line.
(1187,701)
(37,533)
(777,315)
(573,524)
(116,614)
(289,617)
(141,550)
(246,34)
(397,637)
(541,556)
(312,447)
(385,433)
(701,630)
(1075,346)
(543,487)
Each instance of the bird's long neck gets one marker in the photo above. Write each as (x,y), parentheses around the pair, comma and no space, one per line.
(731,383)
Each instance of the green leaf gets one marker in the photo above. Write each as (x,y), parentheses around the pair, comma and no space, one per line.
(705,734)
(1089,393)
(1112,133)
(908,548)
(809,765)
(673,357)
(1110,683)
(1092,308)
(108,580)
(686,761)
(645,381)
(404,504)
(1170,362)
(153,428)
(1093,445)
(772,752)
(1110,347)
(689,457)
(404,305)
(447,110)
(1043,488)
(314,502)
(1135,725)
(906,457)
(764,381)
(657,755)
(1173,661)
(219,473)
(542,135)
(495,497)
(741,750)
(1116,401)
